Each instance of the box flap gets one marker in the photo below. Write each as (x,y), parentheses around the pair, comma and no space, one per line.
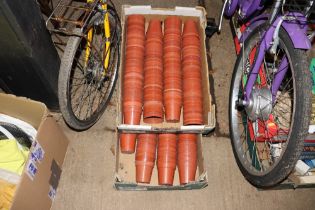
(33,193)
(25,109)
(179,11)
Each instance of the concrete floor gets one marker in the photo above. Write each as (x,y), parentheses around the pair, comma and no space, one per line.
(87,178)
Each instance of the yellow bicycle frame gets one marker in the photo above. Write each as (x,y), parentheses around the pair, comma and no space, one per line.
(107,42)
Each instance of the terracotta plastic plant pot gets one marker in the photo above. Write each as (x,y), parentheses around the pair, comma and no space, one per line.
(193,119)
(154,28)
(143,173)
(172,48)
(153,120)
(152,109)
(174,83)
(136,69)
(175,55)
(153,63)
(187,174)
(135,32)
(190,27)
(190,67)
(145,162)
(132,116)
(134,53)
(166,158)
(173,93)
(172,36)
(133,75)
(188,62)
(172,68)
(166,175)
(151,77)
(172,71)
(192,85)
(153,96)
(133,83)
(187,157)
(134,63)
(172,111)
(172,42)
(133,42)
(154,50)
(192,74)
(154,41)
(173,21)
(187,137)
(133,95)
(135,19)
(191,41)
(127,143)
(171,59)
(191,51)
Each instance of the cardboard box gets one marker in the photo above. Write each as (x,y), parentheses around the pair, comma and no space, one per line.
(184,13)
(125,163)
(125,173)
(39,180)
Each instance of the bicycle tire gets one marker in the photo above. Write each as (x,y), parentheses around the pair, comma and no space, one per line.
(65,72)
(300,117)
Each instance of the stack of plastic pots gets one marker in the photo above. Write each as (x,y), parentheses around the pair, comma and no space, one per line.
(172,68)
(187,157)
(191,66)
(153,72)
(133,79)
(166,158)
(145,157)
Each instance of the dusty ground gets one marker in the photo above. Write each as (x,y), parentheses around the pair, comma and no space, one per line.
(87,178)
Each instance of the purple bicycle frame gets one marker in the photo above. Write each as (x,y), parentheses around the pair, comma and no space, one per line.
(299,40)
(248,7)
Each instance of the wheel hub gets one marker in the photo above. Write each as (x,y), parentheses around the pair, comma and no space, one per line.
(260,104)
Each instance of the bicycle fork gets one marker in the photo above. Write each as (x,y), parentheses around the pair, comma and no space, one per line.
(107,37)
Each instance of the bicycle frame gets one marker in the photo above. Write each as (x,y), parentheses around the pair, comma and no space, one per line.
(290,21)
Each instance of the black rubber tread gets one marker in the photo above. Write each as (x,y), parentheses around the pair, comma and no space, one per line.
(300,121)
(64,74)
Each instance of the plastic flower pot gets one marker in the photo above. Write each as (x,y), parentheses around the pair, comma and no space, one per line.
(154,28)
(166,158)
(132,115)
(173,21)
(145,162)
(144,172)
(135,19)
(173,83)
(153,120)
(152,109)
(127,143)
(190,27)
(193,119)
(172,110)
(191,41)
(187,157)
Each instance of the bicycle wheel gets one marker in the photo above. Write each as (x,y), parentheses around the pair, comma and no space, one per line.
(84,87)
(267,138)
